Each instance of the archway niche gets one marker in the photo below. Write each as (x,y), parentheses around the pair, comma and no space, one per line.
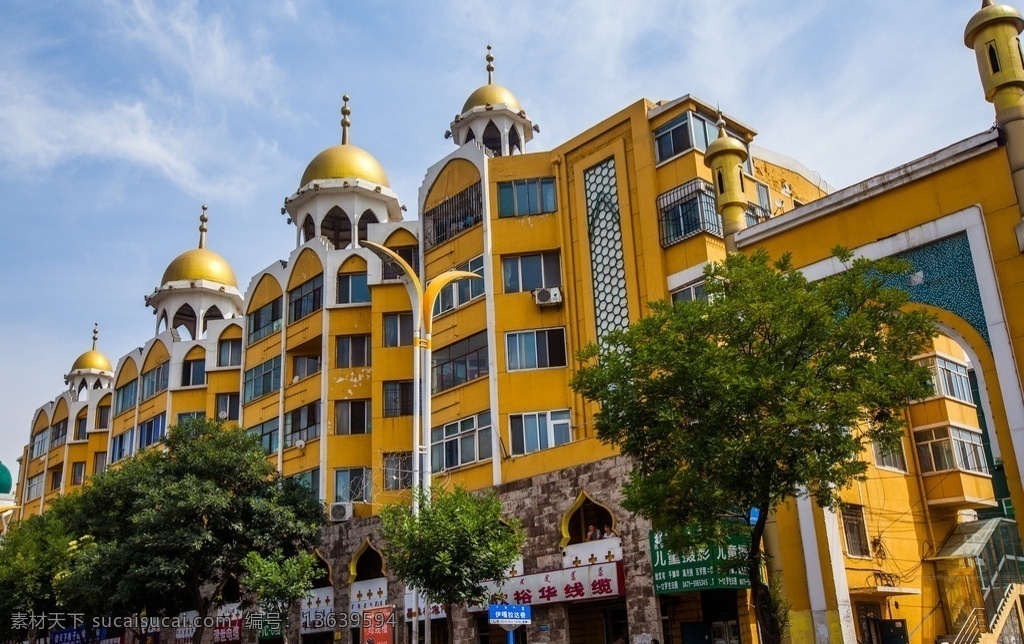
(367,563)
(337,227)
(362,228)
(492,138)
(308,229)
(185,322)
(583,513)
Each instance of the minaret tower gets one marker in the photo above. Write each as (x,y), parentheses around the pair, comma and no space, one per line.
(91,370)
(492,117)
(726,156)
(993,33)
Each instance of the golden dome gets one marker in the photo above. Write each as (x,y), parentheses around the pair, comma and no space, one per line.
(493,94)
(92,359)
(200,264)
(724,143)
(343,162)
(990,13)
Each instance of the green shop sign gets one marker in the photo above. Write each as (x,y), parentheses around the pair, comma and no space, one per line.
(675,573)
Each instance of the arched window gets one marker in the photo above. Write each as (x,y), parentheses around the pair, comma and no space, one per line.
(365,220)
(308,229)
(185,322)
(586,521)
(513,141)
(993,58)
(337,227)
(492,138)
(368,564)
(212,314)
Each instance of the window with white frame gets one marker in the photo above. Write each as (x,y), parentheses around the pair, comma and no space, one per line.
(461,442)
(81,428)
(185,416)
(855,531)
(397,398)
(99,462)
(523,273)
(893,459)
(460,292)
(302,424)
(305,366)
(950,379)
(262,379)
(397,329)
(353,289)
(152,431)
(56,475)
(459,362)
(229,353)
(122,446)
(59,433)
(352,485)
(690,293)
(352,351)
(941,449)
(267,433)
(351,417)
(78,473)
(124,397)
(40,443)
(193,373)
(155,380)
(103,417)
(526,197)
(34,487)
(541,430)
(264,320)
(306,298)
(227,407)
(397,471)
(535,349)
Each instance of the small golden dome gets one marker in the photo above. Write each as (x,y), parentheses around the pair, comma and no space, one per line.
(92,359)
(344,162)
(200,264)
(990,13)
(493,94)
(724,143)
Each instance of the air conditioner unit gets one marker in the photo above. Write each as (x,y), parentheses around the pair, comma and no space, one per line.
(339,512)
(547,296)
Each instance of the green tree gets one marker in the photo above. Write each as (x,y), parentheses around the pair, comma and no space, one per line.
(279,581)
(171,527)
(32,553)
(769,389)
(458,542)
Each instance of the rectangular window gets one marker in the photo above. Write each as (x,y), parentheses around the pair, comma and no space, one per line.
(186,416)
(99,463)
(310,479)
(124,397)
(534,432)
(764,198)
(34,487)
(397,329)
(302,424)
(411,255)
(304,366)
(229,353)
(942,449)
(103,417)
(59,433)
(397,398)
(855,531)
(122,446)
(193,373)
(262,379)
(950,379)
(673,138)
(81,428)
(267,433)
(892,459)
(152,431)
(306,298)
(459,362)
(687,210)
(461,291)
(352,289)
(352,417)
(227,407)
(78,473)
(352,485)
(528,272)
(155,380)
(526,197)
(56,475)
(452,216)
(40,442)
(535,349)
(352,351)
(398,471)
(690,293)
(264,320)
(461,442)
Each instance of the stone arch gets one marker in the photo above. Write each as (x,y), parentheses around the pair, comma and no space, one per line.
(367,563)
(492,138)
(157,354)
(305,267)
(129,370)
(185,319)
(583,512)
(325,574)
(161,324)
(336,226)
(41,421)
(267,289)
(82,394)
(362,229)
(213,313)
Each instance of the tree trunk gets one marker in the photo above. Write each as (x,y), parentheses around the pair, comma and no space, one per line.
(449,621)
(764,611)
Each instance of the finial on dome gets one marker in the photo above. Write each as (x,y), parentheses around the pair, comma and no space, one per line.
(986,3)
(346,111)
(721,124)
(202,227)
(95,334)
(490,66)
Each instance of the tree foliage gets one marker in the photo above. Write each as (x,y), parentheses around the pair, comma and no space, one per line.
(458,541)
(170,527)
(32,553)
(769,389)
(279,581)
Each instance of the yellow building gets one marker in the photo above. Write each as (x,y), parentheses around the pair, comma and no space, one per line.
(319,358)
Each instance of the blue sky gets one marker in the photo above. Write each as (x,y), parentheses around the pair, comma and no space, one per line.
(118,120)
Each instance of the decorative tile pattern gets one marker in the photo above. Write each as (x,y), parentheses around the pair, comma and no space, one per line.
(943,276)
(607,269)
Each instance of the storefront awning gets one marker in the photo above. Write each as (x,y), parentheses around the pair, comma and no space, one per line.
(968,539)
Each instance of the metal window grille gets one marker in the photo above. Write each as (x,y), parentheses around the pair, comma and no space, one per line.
(687,210)
(452,216)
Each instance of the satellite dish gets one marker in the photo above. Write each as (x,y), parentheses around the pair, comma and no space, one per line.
(223,415)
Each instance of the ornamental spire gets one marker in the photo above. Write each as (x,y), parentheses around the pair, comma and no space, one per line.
(202,227)
(345,122)
(95,334)
(490,66)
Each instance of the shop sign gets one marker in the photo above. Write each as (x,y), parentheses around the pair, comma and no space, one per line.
(228,629)
(378,625)
(76,635)
(369,593)
(675,573)
(509,614)
(436,610)
(317,614)
(596,581)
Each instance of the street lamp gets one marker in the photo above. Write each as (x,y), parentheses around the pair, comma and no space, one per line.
(422,300)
